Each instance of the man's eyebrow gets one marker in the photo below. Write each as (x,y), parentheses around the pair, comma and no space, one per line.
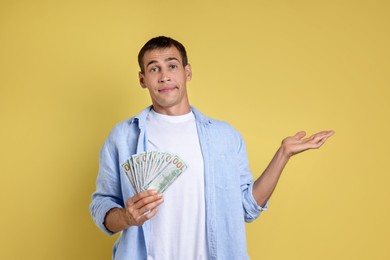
(172,58)
(167,59)
(151,62)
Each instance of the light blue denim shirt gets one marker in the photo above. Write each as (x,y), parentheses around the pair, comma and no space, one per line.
(228,187)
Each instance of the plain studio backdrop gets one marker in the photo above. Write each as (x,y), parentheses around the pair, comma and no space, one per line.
(68,74)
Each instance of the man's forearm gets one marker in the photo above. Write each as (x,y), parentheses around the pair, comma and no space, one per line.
(115,221)
(266,183)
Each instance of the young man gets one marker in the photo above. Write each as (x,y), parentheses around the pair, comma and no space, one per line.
(202,214)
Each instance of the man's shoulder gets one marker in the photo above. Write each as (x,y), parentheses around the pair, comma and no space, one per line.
(123,125)
(130,124)
(120,132)
(221,124)
(215,124)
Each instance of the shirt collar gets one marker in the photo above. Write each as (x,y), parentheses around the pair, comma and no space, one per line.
(141,117)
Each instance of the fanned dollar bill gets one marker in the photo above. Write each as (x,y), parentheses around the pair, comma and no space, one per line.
(155,170)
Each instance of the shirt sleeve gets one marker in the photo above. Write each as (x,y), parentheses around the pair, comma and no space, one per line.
(251,209)
(108,193)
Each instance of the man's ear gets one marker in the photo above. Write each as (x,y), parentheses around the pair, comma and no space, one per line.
(188,72)
(141,77)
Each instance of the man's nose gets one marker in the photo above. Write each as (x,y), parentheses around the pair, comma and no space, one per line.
(164,76)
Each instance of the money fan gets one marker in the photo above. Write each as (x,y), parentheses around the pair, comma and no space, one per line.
(154,170)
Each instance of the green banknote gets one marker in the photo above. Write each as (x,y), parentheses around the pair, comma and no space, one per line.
(155,170)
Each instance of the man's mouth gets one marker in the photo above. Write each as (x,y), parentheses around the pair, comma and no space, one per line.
(166,89)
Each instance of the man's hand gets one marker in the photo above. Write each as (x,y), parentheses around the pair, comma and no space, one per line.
(266,183)
(139,208)
(138,205)
(296,144)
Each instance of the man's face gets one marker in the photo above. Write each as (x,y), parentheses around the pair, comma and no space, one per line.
(165,77)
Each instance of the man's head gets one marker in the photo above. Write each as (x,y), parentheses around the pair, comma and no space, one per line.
(165,72)
(161,42)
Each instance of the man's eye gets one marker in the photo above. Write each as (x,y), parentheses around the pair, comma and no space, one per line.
(154,69)
(173,66)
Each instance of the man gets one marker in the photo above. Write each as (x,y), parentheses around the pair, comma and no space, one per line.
(202,214)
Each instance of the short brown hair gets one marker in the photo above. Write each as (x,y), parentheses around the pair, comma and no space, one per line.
(161,42)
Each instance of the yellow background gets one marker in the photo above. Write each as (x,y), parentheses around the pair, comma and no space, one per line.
(68,74)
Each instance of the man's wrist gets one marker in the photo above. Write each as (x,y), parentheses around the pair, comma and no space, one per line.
(122,212)
(284,153)
(116,220)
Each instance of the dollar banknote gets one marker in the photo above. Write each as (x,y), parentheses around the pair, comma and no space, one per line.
(155,170)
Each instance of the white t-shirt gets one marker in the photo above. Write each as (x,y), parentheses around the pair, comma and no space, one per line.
(178,230)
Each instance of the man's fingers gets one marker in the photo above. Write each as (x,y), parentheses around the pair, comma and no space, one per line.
(136,211)
(141,220)
(139,196)
(316,142)
(151,214)
(139,215)
(322,141)
(150,205)
(325,133)
(319,136)
(300,135)
(147,200)
(146,203)
(143,194)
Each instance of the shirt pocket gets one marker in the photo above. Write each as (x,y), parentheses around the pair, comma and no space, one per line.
(226,172)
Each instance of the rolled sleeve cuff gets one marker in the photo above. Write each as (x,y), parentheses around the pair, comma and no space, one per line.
(101,215)
(252,209)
